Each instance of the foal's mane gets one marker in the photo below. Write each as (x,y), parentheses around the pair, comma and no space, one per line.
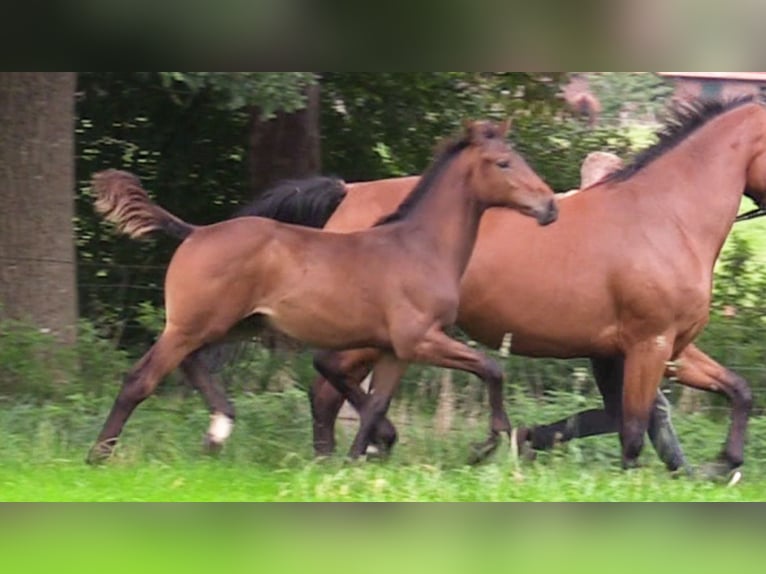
(449,150)
(682,122)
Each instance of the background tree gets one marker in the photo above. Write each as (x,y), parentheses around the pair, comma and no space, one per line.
(37,256)
(640,96)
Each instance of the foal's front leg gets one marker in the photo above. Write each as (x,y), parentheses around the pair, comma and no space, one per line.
(344,371)
(437,348)
(386,376)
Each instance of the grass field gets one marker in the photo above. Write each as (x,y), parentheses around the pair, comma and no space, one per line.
(269,459)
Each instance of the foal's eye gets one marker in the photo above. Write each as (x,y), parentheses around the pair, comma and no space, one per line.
(503,164)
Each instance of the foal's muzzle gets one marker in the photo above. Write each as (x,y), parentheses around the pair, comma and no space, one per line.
(548,214)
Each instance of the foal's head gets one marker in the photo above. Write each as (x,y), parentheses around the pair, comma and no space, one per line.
(501,177)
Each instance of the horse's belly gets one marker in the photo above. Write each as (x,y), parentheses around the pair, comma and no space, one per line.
(542,345)
(559,336)
(335,331)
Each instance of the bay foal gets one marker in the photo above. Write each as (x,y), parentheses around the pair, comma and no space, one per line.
(393,288)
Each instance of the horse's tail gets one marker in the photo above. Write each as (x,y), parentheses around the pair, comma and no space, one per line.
(121,200)
(309,202)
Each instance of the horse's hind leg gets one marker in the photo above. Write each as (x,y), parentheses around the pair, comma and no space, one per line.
(608,373)
(221,409)
(343,374)
(436,348)
(140,383)
(326,403)
(696,369)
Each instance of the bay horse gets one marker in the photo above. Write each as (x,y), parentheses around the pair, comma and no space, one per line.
(624,278)
(393,287)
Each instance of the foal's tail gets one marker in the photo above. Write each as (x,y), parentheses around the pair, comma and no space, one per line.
(121,200)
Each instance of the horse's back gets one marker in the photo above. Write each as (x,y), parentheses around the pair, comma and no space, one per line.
(367,202)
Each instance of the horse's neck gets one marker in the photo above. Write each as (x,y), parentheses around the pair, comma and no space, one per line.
(701,181)
(447,219)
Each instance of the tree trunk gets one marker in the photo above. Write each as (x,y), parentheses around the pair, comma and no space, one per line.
(37,253)
(285,147)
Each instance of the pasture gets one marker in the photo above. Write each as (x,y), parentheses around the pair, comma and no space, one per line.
(269,459)
(46,438)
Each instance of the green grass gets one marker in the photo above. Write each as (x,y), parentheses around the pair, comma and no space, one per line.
(269,459)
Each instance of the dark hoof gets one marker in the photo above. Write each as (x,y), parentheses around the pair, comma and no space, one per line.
(211,447)
(376,452)
(523,444)
(685,471)
(631,464)
(100,453)
(720,471)
(324,449)
(481,451)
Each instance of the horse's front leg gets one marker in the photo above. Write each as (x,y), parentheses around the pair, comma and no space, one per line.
(386,376)
(436,348)
(645,364)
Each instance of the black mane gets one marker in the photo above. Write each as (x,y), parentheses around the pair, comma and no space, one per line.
(308,202)
(450,150)
(683,121)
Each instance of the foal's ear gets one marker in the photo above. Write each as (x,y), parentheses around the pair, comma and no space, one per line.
(479,132)
(505,126)
(469,129)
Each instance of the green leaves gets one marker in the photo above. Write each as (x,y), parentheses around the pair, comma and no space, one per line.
(272,92)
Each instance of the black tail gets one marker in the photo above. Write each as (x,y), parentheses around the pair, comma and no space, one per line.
(309,202)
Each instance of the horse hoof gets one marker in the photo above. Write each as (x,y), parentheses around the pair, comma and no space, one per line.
(481,451)
(211,447)
(521,441)
(99,454)
(631,464)
(684,471)
(377,453)
(721,471)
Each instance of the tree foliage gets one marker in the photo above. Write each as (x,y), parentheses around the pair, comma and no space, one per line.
(641,93)
(381,124)
(271,92)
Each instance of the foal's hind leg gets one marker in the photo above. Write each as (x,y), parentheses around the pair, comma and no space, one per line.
(343,374)
(139,383)
(437,348)
(221,409)
(696,369)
